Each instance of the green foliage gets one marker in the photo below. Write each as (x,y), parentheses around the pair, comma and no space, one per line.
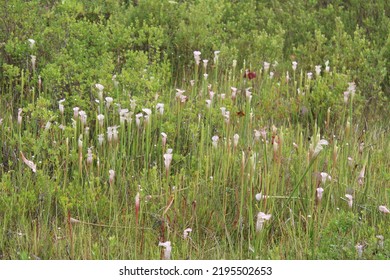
(344,231)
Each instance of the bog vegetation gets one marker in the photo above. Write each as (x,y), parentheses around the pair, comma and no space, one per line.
(206,129)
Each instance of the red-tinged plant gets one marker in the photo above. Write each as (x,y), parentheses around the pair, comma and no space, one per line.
(249,75)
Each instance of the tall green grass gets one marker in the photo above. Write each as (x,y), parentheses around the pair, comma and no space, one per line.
(71,209)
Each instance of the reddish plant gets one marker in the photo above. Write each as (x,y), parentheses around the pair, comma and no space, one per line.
(250,75)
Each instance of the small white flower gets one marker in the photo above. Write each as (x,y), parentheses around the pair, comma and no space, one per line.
(361,147)
(257,134)
(248,93)
(361,176)
(216,53)
(319,193)
(234,92)
(74,221)
(261,218)
(234,63)
(80,142)
(124,116)
(164,137)
(352,88)
(309,75)
(380,241)
(61,106)
(110,133)
(179,92)
(266,66)
(100,118)
(132,105)
(271,74)
(109,100)
(359,249)
(33,61)
(111,174)
(235,140)
(260,196)
(205,61)
(89,156)
(205,76)
(215,140)
(327,67)
(147,111)
(48,125)
(186,232)
(137,206)
(346,96)
(384,209)
(31,43)
(137,119)
(99,87)
(294,65)
(324,177)
(101,139)
(160,108)
(211,94)
(183,98)
(76,112)
(122,112)
(115,133)
(167,250)
(208,103)
(318,70)
(83,117)
(227,117)
(223,111)
(287,77)
(350,161)
(263,132)
(168,159)
(350,200)
(116,83)
(274,130)
(197,57)
(29,163)
(20,110)
(319,146)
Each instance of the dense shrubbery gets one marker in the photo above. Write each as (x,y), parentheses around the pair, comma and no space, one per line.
(79,43)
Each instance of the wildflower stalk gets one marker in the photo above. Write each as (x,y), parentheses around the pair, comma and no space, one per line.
(22,87)
(196,76)
(266,183)
(367,175)
(148,143)
(298,184)
(350,115)
(200,155)
(179,121)
(243,187)
(66,163)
